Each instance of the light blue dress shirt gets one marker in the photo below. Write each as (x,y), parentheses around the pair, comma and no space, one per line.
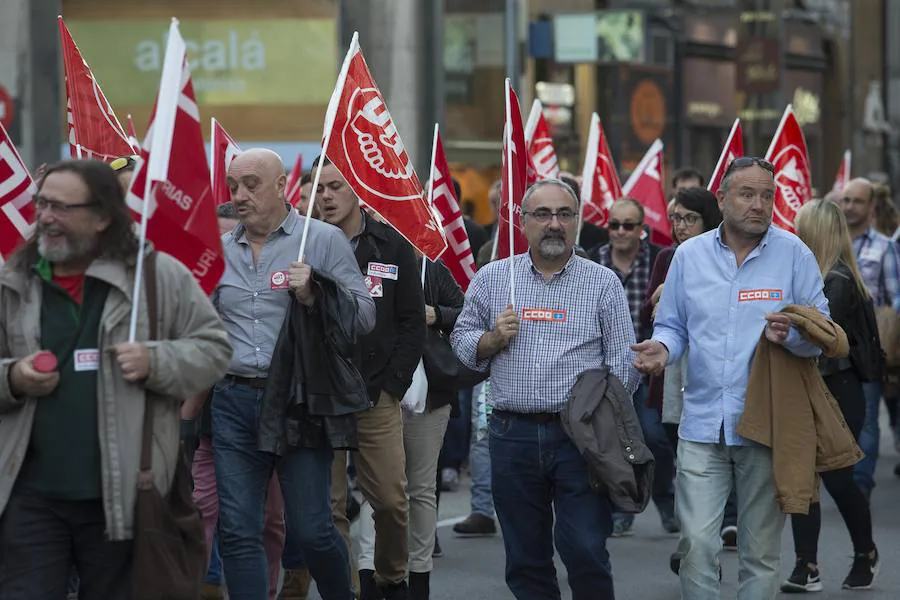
(719,310)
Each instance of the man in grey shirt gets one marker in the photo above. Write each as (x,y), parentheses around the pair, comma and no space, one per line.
(252,300)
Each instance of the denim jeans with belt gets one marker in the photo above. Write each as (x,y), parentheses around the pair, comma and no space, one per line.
(535,468)
(243,474)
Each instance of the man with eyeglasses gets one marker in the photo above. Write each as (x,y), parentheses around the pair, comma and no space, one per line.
(631,258)
(713,310)
(570,315)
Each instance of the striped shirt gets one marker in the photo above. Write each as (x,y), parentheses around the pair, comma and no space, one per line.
(879,265)
(575,321)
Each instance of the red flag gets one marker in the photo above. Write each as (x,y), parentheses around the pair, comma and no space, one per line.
(362,142)
(16,191)
(180,210)
(516,178)
(600,182)
(223,149)
(93,125)
(734,147)
(540,143)
(133,136)
(793,186)
(458,257)
(292,188)
(646,186)
(843,174)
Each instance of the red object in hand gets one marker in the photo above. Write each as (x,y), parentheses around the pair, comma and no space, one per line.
(44,362)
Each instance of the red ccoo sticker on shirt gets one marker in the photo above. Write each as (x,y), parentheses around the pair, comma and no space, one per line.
(550,315)
(754,295)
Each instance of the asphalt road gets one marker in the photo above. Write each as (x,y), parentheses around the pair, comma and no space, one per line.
(472,568)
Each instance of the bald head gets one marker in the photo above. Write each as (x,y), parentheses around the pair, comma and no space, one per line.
(256,179)
(857,203)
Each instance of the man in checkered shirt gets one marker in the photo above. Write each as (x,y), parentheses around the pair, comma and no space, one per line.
(570,315)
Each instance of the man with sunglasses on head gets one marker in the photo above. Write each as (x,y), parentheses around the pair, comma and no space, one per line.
(631,258)
(570,315)
(724,290)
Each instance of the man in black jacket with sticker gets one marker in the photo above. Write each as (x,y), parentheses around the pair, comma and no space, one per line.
(387,358)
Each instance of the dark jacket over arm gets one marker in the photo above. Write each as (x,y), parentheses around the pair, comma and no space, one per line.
(657,278)
(841,293)
(388,355)
(443,293)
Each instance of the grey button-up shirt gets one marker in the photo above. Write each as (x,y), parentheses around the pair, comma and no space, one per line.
(252,299)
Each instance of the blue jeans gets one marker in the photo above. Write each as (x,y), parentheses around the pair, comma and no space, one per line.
(456,439)
(658,441)
(535,468)
(480,470)
(706,475)
(869,438)
(243,474)
(214,573)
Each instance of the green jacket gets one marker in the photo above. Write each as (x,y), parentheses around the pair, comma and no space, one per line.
(194,355)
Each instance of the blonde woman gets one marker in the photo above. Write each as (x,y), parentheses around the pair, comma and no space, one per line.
(822,227)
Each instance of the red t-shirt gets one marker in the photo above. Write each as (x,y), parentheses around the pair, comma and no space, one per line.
(73,284)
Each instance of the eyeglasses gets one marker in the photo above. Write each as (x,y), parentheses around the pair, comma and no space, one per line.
(123,162)
(689,219)
(615,226)
(59,208)
(542,215)
(742,162)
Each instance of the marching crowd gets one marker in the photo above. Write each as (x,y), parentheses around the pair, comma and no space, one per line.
(749,359)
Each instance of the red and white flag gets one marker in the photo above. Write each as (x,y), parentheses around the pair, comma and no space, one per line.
(362,142)
(94,130)
(793,187)
(843,174)
(292,187)
(171,186)
(16,191)
(540,143)
(517,176)
(132,135)
(458,257)
(600,185)
(734,147)
(223,149)
(646,186)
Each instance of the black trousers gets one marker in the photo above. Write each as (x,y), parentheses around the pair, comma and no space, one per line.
(42,539)
(851,503)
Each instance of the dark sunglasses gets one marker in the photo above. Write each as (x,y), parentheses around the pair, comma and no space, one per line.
(742,162)
(615,225)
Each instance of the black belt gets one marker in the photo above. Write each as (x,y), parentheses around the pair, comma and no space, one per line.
(254,382)
(541,417)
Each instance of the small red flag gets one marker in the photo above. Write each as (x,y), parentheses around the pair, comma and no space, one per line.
(600,185)
(16,191)
(793,187)
(646,186)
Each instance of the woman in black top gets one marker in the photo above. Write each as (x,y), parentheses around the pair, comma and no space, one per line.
(822,227)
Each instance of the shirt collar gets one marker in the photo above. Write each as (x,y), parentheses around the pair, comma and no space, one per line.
(287,225)
(762,243)
(560,273)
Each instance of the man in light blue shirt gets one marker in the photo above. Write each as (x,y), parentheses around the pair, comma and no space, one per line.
(724,290)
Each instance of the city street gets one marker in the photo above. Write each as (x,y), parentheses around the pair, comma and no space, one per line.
(473,568)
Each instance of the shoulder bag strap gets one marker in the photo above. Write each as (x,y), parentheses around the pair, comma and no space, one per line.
(152,316)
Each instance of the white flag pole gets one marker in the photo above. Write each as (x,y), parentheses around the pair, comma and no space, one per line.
(157,165)
(78,151)
(326,137)
(589,171)
(509,196)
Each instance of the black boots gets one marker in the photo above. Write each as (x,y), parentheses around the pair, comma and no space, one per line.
(369,590)
(419,586)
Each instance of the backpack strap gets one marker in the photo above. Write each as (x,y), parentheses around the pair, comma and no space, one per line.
(152,318)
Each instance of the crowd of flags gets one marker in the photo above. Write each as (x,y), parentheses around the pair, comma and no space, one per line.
(174,192)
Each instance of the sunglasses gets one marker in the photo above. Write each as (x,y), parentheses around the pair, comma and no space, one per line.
(615,226)
(123,162)
(742,162)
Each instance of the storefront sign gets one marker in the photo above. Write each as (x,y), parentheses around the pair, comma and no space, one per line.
(250,62)
(758,65)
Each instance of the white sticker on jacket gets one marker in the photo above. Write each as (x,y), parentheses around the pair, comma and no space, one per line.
(87,360)
(382,270)
(375,285)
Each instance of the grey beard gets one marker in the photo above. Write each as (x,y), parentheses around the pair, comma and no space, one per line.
(551,248)
(65,252)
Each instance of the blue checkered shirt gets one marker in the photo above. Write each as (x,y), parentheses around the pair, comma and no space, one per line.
(879,265)
(575,321)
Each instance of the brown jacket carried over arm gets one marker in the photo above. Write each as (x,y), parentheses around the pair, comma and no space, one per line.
(789,409)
